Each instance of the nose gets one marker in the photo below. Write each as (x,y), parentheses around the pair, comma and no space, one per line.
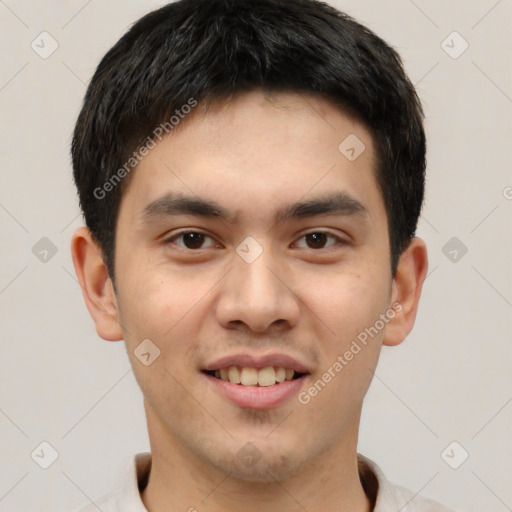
(258,296)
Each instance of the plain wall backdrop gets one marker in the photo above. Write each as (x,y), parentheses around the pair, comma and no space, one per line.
(450,381)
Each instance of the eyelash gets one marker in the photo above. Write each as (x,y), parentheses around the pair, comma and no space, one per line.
(340,241)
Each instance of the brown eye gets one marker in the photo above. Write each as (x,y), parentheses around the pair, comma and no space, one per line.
(191,240)
(318,240)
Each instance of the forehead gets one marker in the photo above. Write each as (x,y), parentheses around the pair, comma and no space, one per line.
(256,153)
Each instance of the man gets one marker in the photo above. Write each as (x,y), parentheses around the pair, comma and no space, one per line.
(251,175)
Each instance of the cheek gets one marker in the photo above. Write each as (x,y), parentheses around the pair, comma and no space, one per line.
(350,305)
(347,302)
(155,302)
(161,310)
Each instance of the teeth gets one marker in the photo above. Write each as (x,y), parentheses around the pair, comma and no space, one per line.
(267,376)
(280,374)
(247,376)
(234,375)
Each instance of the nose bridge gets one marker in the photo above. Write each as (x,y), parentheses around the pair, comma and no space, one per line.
(257,282)
(256,295)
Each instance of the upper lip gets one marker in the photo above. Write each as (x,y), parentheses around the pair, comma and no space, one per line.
(254,361)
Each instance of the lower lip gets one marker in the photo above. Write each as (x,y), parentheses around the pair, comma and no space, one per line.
(258,397)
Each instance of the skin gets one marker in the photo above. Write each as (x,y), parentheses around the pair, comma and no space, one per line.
(252,156)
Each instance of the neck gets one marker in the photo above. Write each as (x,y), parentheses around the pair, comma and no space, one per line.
(180,481)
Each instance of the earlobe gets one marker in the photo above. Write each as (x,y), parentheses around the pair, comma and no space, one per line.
(406,291)
(96,285)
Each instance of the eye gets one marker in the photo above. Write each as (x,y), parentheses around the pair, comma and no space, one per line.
(191,240)
(319,240)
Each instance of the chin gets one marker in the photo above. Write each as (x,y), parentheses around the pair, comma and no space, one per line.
(252,465)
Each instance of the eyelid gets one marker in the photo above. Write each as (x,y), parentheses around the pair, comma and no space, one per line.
(173,237)
(339,239)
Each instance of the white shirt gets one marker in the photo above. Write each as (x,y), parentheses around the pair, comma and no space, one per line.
(389,497)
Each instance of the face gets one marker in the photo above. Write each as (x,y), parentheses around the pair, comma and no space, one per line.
(250,247)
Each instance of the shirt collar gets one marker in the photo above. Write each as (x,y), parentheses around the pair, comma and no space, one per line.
(135,481)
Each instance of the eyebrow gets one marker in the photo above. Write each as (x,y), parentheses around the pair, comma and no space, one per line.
(337,203)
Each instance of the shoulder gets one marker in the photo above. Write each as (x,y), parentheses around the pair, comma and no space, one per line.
(126,498)
(413,502)
(389,497)
(107,503)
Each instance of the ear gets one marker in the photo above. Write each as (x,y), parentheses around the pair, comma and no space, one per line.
(97,288)
(406,291)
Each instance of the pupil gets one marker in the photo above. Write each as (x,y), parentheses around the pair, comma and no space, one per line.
(193,240)
(317,239)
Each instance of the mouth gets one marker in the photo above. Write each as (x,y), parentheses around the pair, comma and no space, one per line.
(250,376)
(256,382)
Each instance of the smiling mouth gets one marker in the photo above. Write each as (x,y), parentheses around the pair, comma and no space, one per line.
(248,376)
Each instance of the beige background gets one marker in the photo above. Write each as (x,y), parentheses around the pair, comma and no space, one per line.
(450,381)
